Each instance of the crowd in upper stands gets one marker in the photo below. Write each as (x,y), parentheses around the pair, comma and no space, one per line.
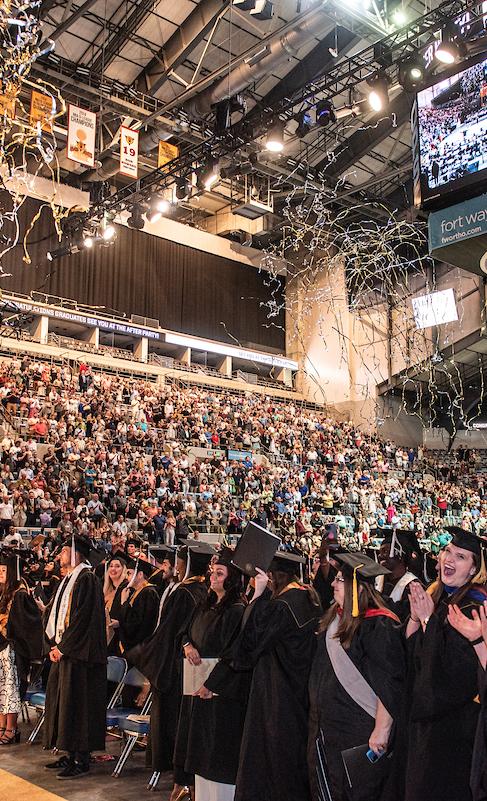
(106,455)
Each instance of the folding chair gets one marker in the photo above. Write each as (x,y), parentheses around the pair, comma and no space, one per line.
(132,729)
(116,672)
(38,701)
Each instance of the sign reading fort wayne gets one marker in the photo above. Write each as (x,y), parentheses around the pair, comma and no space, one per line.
(458,234)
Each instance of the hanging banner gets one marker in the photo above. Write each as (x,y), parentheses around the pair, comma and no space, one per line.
(81,136)
(129,151)
(41,110)
(166,153)
(7,105)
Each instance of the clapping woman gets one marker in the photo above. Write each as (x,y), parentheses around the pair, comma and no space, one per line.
(443,706)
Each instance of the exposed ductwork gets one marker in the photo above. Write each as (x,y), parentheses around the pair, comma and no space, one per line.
(277,50)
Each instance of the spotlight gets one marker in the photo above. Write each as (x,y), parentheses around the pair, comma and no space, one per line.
(275,137)
(378,92)
(411,74)
(325,113)
(108,233)
(399,17)
(88,241)
(304,123)
(158,206)
(136,221)
(63,250)
(183,188)
(210,175)
(449,50)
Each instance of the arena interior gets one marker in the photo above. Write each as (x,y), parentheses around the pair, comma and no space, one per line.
(243,400)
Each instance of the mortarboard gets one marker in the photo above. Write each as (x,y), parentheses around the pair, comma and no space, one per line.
(287,562)
(140,564)
(161,552)
(361,565)
(465,540)
(403,541)
(256,548)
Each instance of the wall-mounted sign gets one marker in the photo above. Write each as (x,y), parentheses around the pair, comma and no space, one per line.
(129,151)
(81,136)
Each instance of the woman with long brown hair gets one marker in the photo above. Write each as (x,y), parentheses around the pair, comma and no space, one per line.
(115,580)
(356,680)
(443,703)
(20,644)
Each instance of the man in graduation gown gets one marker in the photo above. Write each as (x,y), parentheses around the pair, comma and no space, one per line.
(160,659)
(140,605)
(163,575)
(76,689)
(400,553)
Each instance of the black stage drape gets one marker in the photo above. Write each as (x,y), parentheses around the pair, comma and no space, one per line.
(185,289)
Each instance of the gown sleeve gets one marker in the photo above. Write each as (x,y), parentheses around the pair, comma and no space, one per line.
(445,670)
(137,622)
(24,628)
(83,637)
(224,680)
(264,623)
(385,662)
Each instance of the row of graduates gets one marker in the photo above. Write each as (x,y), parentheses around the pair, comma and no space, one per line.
(278,690)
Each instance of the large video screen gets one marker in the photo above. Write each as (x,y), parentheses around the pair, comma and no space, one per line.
(452,133)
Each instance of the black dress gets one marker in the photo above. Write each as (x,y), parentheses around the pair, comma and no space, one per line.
(76,689)
(442,711)
(114,612)
(160,659)
(210,731)
(278,641)
(24,633)
(377,651)
(138,617)
(478,779)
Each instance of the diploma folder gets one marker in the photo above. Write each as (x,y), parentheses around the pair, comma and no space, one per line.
(364,778)
(194,676)
(256,548)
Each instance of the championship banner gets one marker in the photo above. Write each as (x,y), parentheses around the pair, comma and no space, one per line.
(81,136)
(166,153)
(41,110)
(129,151)
(7,105)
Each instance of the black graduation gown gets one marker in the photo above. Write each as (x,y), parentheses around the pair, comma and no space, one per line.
(377,651)
(76,689)
(478,778)
(24,634)
(138,617)
(160,659)
(159,582)
(278,641)
(210,731)
(113,648)
(323,586)
(442,712)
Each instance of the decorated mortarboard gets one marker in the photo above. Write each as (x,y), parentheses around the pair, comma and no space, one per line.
(361,565)
(465,540)
(256,548)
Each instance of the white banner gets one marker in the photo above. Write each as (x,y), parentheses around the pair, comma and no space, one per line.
(81,136)
(129,151)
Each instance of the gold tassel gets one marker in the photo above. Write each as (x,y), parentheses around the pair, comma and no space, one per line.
(355,608)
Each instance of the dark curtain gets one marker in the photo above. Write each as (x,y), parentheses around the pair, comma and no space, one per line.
(185,289)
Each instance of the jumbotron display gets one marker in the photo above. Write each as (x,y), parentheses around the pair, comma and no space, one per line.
(452,129)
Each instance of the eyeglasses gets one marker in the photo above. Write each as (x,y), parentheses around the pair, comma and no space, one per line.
(340,578)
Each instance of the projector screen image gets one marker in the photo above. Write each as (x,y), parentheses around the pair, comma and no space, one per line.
(452,122)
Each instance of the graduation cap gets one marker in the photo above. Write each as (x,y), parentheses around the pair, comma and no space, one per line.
(288,562)
(403,542)
(12,561)
(162,552)
(465,540)
(361,565)
(225,557)
(197,555)
(96,557)
(256,548)
(139,564)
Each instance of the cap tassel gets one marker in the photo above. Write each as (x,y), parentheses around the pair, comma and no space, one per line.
(18,568)
(73,551)
(355,607)
(393,545)
(134,574)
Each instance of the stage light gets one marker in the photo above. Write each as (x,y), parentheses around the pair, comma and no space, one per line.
(304,123)
(399,17)
(378,92)
(63,250)
(108,232)
(183,188)
(209,175)
(158,206)
(449,51)
(275,138)
(325,113)
(88,242)
(411,74)
(136,221)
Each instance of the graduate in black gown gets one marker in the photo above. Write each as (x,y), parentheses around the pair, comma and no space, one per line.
(21,643)
(442,706)
(401,555)
(114,582)
(278,641)
(76,690)
(357,677)
(211,723)
(160,658)
(165,556)
(139,607)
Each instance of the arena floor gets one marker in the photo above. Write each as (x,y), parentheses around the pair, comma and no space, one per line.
(23,778)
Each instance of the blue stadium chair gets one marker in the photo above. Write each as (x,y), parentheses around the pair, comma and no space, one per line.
(38,701)
(131,730)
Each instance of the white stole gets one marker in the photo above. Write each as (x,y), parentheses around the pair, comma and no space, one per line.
(56,623)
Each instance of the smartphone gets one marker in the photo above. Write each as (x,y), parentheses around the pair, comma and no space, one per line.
(373,756)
